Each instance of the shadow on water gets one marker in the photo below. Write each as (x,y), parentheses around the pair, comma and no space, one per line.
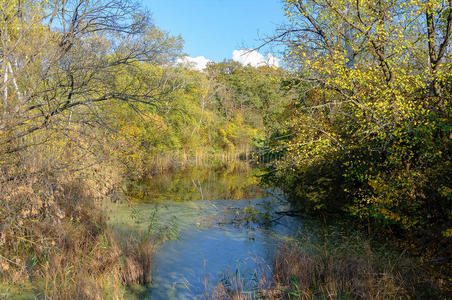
(224,220)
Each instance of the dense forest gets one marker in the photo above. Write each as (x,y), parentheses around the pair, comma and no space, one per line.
(357,126)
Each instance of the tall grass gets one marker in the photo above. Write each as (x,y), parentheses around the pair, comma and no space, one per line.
(331,262)
(161,162)
(349,265)
(137,260)
(55,240)
(239,286)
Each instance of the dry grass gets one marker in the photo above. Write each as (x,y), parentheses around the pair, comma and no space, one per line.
(351,270)
(137,260)
(332,263)
(53,235)
(158,163)
(237,286)
(301,275)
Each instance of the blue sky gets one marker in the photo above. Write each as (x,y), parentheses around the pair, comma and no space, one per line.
(214,28)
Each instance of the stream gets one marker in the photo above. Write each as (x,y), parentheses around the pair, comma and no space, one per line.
(223,225)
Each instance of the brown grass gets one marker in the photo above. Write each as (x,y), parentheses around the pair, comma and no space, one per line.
(301,272)
(53,236)
(137,260)
(333,263)
(305,276)
(158,163)
(237,287)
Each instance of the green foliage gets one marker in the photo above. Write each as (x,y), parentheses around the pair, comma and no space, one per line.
(372,138)
(221,110)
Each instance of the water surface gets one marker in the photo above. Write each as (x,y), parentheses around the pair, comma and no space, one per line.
(225,223)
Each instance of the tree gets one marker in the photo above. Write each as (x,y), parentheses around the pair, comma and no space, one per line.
(59,56)
(371,135)
(65,66)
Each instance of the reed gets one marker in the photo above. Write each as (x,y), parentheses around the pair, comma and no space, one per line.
(54,239)
(344,266)
(161,162)
(331,263)
(137,261)
(238,286)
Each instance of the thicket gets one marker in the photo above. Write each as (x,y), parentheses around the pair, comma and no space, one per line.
(370,134)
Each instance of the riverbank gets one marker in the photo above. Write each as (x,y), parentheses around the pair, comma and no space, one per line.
(338,261)
(60,245)
(335,260)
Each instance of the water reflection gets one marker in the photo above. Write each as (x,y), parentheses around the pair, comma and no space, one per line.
(233,182)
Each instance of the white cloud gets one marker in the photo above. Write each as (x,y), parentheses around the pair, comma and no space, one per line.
(196,63)
(254,58)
